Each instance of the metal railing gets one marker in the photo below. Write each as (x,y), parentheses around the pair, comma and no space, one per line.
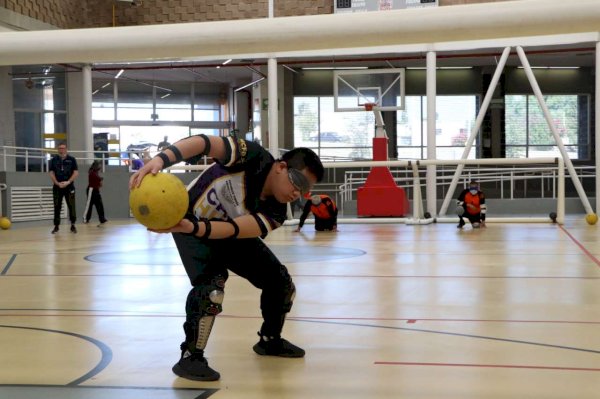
(507,182)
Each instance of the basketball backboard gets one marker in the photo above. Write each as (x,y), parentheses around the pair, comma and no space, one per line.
(353,89)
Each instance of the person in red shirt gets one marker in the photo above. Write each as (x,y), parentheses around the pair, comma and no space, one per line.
(324,210)
(93,194)
(471,204)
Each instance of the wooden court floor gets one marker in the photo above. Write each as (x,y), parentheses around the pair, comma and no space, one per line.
(383,311)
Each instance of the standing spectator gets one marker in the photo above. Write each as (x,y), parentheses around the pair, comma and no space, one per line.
(324,210)
(471,204)
(164,144)
(63,172)
(94,199)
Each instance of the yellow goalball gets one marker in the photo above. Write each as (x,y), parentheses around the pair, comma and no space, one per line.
(5,223)
(591,218)
(160,202)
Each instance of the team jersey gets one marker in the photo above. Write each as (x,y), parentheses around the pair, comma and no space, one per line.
(231,187)
(477,200)
(325,213)
(62,168)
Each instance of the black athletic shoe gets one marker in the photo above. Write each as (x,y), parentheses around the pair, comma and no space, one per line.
(277,346)
(194,366)
(55,230)
(461,224)
(102,223)
(73,229)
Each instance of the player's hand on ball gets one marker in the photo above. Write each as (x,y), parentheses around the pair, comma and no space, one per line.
(184,226)
(153,166)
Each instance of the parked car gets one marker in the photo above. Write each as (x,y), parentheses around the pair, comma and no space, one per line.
(333,137)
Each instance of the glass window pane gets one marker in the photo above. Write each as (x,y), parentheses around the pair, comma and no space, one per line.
(206,115)
(526,125)
(409,125)
(306,121)
(134,101)
(103,111)
(175,105)
(515,109)
(454,121)
(103,100)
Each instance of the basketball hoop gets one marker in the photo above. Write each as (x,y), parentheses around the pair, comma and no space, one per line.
(369,106)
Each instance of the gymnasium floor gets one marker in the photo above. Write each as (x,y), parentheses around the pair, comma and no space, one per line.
(383,311)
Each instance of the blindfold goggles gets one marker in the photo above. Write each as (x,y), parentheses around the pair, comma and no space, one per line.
(299,181)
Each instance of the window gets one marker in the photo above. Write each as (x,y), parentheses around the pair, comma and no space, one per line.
(528,134)
(332,134)
(148,114)
(454,121)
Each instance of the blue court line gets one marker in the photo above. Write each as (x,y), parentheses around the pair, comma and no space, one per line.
(5,270)
(104,349)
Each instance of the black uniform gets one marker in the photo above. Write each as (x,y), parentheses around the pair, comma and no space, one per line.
(475,213)
(63,170)
(230,188)
(325,214)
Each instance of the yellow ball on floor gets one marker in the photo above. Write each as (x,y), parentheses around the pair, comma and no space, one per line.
(160,202)
(5,223)
(591,218)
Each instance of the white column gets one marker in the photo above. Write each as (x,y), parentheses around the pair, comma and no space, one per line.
(79,128)
(431,189)
(86,96)
(273,112)
(7,119)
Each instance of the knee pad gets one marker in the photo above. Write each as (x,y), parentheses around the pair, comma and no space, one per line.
(206,299)
(204,302)
(290,294)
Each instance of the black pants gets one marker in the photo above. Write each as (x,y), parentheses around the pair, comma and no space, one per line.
(94,199)
(325,224)
(206,260)
(57,196)
(472,218)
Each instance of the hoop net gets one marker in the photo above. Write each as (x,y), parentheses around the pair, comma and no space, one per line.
(369,106)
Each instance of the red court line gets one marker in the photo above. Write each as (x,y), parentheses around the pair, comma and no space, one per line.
(580,245)
(405,276)
(504,366)
(415,320)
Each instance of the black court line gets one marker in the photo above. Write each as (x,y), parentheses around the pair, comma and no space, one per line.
(10,262)
(101,391)
(508,340)
(105,359)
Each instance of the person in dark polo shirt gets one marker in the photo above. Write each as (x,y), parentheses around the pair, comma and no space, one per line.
(63,172)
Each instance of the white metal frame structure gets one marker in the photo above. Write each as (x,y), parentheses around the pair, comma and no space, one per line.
(548,117)
(428,30)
